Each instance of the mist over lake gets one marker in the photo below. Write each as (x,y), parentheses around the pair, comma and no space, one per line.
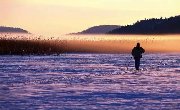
(89,43)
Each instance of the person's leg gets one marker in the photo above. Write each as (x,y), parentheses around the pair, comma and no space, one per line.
(137,63)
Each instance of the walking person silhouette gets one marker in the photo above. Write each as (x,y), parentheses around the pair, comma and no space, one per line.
(137,54)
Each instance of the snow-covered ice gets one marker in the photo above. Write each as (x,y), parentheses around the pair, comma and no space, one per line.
(89,81)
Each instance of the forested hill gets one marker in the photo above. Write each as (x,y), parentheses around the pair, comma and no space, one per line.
(12,29)
(151,26)
(101,29)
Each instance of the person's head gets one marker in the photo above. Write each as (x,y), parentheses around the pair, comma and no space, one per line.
(138,45)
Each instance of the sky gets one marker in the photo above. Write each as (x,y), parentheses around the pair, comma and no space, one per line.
(57,17)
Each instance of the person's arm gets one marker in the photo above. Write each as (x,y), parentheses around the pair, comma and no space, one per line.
(142,50)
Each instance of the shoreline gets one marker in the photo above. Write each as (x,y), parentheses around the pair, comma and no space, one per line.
(49,47)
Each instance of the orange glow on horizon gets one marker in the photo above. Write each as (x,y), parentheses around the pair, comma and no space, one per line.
(104,43)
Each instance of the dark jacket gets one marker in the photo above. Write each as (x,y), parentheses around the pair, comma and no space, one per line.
(137,52)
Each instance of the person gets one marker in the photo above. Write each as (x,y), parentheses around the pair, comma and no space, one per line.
(137,54)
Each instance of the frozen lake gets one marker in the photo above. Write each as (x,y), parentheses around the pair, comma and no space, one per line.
(89,81)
